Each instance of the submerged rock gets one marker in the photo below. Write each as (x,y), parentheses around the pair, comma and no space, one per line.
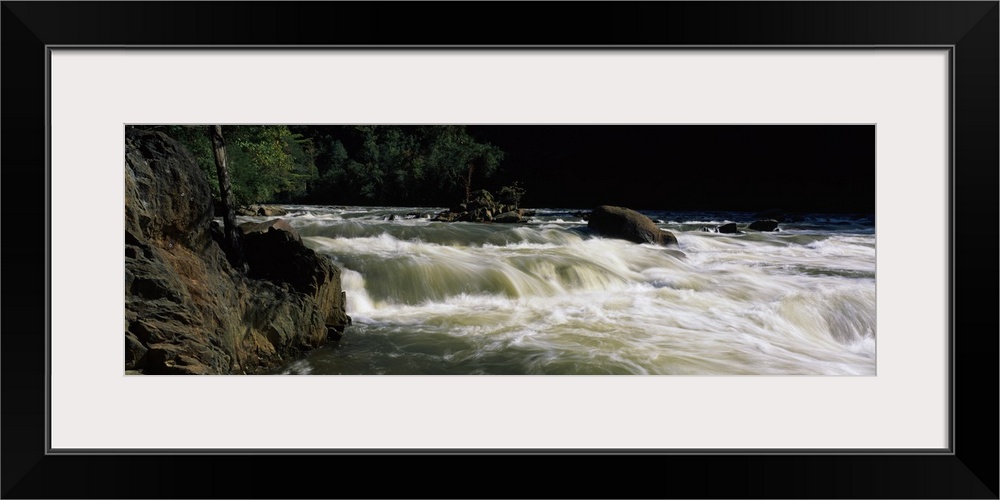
(729,228)
(764,225)
(187,311)
(446,216)
(508,218)
(626,224)
(271,211)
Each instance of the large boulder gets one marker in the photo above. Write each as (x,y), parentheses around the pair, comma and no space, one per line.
(274,252)
(626,224)
(187,311)
(764,225)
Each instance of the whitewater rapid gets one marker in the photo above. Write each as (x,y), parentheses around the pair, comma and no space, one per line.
(550,297)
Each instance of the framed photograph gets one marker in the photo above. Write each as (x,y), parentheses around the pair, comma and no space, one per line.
(830,358)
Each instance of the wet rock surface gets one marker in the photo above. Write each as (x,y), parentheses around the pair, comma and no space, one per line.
(627,224)
(187,311)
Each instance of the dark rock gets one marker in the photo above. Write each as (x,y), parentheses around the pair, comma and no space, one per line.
(508,218)
(480,199)
(623,223)
(171,202)
(706,229)
(729,228)
(272,225)
(446,216)
(279,256)
(217,233)
(667,238)
(135,352)
(482,207)
(187,311)
(764,225)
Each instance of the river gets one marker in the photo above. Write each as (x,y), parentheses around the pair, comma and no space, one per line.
(551,297)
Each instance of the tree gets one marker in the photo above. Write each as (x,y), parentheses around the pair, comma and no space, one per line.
(345,164)
(264,162)
(511,195)
(458,158)
(235,252)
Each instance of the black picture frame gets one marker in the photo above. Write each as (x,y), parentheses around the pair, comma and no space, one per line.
(968,470)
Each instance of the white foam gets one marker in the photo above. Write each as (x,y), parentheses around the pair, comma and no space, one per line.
(563,300)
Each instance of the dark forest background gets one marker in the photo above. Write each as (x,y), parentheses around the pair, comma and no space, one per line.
(817,168)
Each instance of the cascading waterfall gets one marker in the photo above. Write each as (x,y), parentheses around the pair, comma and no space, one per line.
(549,297)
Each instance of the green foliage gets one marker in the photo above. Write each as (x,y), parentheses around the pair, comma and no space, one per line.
(362,164)
(457,157)
(397,165)
(511,194)
(265,162)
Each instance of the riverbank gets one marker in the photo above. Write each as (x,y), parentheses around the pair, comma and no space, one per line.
(187,310)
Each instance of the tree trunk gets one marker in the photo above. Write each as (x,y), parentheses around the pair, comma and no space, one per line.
(468,181)
(235,250)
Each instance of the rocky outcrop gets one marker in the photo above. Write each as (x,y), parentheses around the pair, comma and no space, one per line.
(764,225)
(481,207)
(274,252)
(626,224)
(187,311)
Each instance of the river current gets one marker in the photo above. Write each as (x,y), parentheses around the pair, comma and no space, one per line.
(551,297)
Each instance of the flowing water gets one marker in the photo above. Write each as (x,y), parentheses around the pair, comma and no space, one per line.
(551,297)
